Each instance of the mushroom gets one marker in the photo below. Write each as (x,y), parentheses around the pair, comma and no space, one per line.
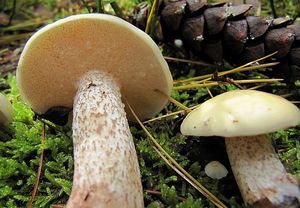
(244,118)
(86,62)
(215,170)
(5,110)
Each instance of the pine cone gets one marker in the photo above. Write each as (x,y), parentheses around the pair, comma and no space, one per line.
(222,31)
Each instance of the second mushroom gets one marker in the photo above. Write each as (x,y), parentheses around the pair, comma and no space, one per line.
(244,118)
(86,62)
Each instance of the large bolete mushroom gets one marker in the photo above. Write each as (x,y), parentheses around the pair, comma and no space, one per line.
(86,62)
(5,110)
(244,118)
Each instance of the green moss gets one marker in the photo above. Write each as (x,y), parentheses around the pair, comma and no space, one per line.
(20,156)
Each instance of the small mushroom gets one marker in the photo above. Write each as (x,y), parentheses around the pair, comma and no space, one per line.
(89,63)
(215,170)
(244,118)
(5,110)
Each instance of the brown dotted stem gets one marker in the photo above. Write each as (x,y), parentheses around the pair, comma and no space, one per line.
(106,171)
(261,177)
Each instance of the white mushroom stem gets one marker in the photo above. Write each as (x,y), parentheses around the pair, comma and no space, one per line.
(261,177)
(106,171)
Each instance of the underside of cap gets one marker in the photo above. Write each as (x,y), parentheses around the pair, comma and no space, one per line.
(57,56)
(241,113)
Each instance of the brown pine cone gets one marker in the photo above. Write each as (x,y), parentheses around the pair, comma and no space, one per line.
(222,31)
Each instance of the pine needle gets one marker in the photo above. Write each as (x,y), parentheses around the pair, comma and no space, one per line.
(201,63)
(172,100)
(247,64)
(210,84)
(209,92)
(10,38)
(176,167)
(169,114)
(38,175)
(235,70)
(25,25)
(150,17)
(175,102)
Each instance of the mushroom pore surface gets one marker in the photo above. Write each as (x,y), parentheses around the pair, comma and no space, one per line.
(57,56)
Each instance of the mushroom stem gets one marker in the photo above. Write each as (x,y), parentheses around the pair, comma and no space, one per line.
(261,177)
(106,170)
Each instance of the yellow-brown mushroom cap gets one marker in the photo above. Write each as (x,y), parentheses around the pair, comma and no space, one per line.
(57,56)
(241,113)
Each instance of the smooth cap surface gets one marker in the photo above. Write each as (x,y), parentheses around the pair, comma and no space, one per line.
(5,110)
(56,57)
(215,170)
(241,113)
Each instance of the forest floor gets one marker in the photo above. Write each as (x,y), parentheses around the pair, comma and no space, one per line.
(22,142)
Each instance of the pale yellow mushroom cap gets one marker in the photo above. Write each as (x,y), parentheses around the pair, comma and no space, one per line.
(5,110)
(241,113)
(56,57)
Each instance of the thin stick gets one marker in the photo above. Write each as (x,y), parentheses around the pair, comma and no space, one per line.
(3,51)
(215,200)
(180,105)
(169,114)
(169,160)
(286,95)
(9,38)
(118,11)
(201,63)
(177,103)
(256,87)
(227,72)
(33,23)
(37,179)
(247,64)
(209,92)
(210,84)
